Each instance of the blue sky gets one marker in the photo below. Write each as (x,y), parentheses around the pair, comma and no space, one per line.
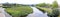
(28,1)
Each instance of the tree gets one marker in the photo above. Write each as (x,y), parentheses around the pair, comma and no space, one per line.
(55,13)
(55,4)
(41,4)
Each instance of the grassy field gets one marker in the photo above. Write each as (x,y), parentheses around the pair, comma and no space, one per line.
(21,11)
(48,10)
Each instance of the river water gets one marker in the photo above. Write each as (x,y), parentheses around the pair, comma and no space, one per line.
(2,11)
(37,13)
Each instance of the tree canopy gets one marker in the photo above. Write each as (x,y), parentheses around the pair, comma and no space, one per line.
(55,4)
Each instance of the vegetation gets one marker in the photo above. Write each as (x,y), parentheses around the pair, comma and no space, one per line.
(55,4)
(21,11)
(44,5)
(48,10)
(41,5)
(55,13)
(51,9)
(51,12)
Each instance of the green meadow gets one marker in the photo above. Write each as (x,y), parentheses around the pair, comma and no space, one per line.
(21,11)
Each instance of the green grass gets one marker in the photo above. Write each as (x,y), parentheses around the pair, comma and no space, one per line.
(48,10)
(19,11)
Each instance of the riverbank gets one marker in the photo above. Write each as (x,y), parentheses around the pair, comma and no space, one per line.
(51,12)
(37,13)
(48,10)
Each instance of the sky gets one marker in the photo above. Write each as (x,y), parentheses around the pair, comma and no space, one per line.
(28,1)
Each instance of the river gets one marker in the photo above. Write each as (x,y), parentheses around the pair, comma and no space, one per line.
(37,13)
(3,13)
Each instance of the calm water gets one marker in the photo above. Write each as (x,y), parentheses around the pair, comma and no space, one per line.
(37,13)
(2,10)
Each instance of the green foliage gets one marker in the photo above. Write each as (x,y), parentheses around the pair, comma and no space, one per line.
(19,11)
(44,5)
(51,12)
(41,5)
(48,10)
(55,13)
(55,4)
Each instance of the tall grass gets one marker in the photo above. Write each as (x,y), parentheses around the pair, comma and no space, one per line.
(21,11)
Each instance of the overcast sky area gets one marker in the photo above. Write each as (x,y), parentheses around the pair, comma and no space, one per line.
(28,1)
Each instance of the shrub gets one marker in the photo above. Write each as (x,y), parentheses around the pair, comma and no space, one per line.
(55,13)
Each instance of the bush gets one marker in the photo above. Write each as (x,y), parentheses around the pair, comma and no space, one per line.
(55,13)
